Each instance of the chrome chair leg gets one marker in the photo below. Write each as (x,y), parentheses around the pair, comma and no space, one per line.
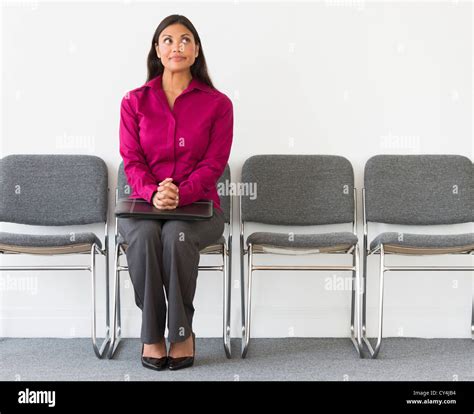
(374,351)
(98,351)
(229,292)
(355,303)
(117,326)
(381,292)
(107,292)
(248,312)
(242,298)
(364,298)
(226,259)
(472,314)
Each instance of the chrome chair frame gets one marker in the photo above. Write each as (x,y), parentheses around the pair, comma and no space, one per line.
(382,269)
(95,249)
(224,249)
(246,306)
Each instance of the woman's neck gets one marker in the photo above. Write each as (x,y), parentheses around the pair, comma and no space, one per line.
(175,82)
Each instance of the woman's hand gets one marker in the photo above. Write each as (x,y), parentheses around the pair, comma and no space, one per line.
(167,196)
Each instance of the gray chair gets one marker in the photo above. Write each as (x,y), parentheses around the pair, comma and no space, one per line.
(298,190)
(222,247)
(415,190)
(56,190)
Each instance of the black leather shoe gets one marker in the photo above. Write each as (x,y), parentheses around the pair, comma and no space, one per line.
(157,364)
(183,362)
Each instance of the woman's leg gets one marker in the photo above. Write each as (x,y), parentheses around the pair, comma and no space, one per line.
(144,257)
(182,241)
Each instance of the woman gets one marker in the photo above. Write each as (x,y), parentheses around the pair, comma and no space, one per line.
(175,139)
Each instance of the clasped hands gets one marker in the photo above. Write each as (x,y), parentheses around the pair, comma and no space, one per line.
(167,196)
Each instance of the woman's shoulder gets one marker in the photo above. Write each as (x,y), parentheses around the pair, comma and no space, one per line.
(212,91)
(137,92)
(134,98)
(223,101)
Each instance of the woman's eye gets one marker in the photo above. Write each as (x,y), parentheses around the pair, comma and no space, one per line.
(168,40)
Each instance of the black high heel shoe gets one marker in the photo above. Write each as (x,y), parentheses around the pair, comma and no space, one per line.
(183,362)
(158,364)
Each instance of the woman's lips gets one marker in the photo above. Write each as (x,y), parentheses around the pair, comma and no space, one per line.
(178,58)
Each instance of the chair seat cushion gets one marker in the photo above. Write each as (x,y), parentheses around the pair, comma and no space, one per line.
(399,242)
(53,243)
(214,247)
(302,241)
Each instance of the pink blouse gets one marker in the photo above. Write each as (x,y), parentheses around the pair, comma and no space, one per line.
(190,143)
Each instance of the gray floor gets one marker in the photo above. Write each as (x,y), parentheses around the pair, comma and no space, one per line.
(321,359)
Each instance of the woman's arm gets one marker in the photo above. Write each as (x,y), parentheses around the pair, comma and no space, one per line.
(210,168)
(138,173)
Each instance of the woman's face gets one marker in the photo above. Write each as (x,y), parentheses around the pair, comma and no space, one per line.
(176,48)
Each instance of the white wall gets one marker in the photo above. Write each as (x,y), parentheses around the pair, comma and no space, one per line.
(333,77)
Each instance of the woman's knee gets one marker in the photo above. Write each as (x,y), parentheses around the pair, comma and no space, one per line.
(145,232)
(175,234)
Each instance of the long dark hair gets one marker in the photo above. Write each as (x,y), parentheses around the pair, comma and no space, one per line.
(198,68)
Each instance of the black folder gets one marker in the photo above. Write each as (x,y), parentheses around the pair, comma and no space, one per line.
(140,208)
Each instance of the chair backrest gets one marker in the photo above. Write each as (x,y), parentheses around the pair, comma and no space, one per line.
(419,189)
(297,189)
(53,190)
(125,190)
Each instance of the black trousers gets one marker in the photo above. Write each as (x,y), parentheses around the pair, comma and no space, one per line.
(163,258)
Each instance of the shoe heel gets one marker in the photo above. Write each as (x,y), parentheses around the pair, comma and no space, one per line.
(179,363)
